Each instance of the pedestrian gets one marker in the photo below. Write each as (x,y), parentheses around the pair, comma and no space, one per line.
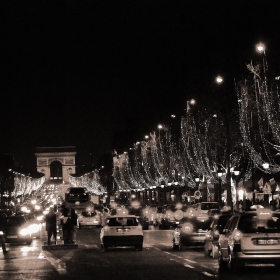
(68,227)
(105,214)
(74,219)
(51,225)
(273,204)
(2,233)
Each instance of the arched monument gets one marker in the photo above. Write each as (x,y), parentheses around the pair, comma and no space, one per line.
(56,163)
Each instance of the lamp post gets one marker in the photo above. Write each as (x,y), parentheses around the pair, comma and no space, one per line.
(266,193)
(219,80)
(220,174)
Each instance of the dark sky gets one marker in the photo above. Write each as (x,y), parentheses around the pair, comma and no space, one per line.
(101,74)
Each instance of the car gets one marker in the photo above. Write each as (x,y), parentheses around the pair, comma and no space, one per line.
(191,232)
(170,217)
(17,229)
(140,214)
(250,237)
(122,230)
(88,218)
(212,235)
(204,207)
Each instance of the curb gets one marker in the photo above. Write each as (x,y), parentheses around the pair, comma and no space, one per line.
(60,247)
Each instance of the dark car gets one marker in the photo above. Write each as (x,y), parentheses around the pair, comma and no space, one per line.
(139,212)
(212,235)
(170,217)
(251,237)
(191,232)
(16,229)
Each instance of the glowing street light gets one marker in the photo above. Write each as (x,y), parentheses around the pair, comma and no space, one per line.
(260,48)
(219,79)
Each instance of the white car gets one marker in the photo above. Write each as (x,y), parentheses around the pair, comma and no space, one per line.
(122,230)
(89,219)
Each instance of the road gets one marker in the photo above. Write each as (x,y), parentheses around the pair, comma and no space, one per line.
(157,261)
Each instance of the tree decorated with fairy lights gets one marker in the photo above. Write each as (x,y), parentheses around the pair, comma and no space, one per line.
(232,130)
(259,117)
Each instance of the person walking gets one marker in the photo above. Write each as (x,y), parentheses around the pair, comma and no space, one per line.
(74,219)
(68,227)
(2,234)
(51,225)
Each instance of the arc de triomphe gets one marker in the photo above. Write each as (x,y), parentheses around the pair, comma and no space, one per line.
(56,162)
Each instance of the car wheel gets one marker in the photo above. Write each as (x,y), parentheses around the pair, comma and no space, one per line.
(28,242)
(232,265)
(106,248)
(222,264)
(180,246)
(174,246)
(139,247)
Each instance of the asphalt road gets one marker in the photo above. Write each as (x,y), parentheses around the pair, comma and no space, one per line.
(157,261)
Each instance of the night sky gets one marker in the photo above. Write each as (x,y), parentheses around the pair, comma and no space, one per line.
(99,75)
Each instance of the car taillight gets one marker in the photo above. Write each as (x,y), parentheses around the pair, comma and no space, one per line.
(139,227)
(106,228)
(237,235)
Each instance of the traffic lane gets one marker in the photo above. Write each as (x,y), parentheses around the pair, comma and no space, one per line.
(157,254)
(194,258)
(127,263)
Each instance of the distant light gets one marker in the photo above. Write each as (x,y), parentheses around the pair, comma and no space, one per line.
(159,126)
(260,48)
(173,116)
(219,79)
(266,165)
(192,101)
(146,136)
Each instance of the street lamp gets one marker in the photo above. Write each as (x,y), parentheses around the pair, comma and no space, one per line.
(266,192)
(260,48)
(220,174)
(219,79)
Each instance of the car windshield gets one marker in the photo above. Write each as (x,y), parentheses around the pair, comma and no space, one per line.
(122,221)
(255,224)
(12,221)
(223,220)
(208,206)
(77,190)
(197,223)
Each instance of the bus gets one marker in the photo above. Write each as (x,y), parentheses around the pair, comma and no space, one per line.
(77,198)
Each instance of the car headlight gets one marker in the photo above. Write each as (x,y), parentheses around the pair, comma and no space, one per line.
(33,228)
(40,218)
(1,232)
(24,231)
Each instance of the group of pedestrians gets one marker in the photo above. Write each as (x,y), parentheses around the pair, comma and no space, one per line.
(68,221)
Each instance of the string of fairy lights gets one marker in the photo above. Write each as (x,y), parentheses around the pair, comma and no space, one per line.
(91,180)
(24,185)
(202,150)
